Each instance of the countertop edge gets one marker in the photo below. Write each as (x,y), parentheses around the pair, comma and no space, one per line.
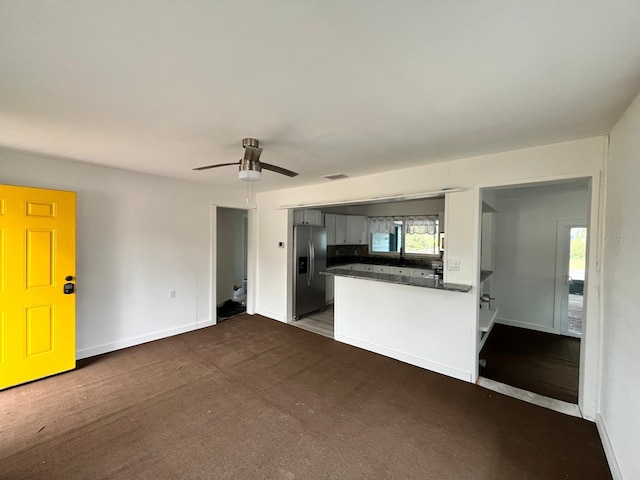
(424,282)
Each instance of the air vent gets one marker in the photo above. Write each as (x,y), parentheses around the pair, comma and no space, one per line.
(335,176)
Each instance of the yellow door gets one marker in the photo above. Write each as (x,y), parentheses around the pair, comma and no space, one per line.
(37,255)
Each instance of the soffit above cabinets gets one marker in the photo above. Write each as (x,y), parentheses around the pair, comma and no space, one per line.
(382,199)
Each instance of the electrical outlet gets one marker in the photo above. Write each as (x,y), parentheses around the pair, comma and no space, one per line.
(453,265)
(172,294)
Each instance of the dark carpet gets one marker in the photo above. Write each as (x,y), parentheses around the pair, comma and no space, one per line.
(253,398)
(539,362)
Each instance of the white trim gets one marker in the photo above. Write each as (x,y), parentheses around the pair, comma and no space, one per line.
(149,337)
(591,343)
(407,358)
(518,182)
(213,263)
(252,226)
(608,448)
(534,398)
(271,315)
(232,204)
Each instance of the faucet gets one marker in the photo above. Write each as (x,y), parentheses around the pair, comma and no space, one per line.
(401,255)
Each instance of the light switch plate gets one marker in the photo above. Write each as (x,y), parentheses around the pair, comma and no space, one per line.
(453,265)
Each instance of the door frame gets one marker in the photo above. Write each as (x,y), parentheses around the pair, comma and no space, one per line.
(251,211)
(561,297)
(591,343)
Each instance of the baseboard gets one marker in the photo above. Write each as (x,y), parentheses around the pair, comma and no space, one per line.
(130,342)
(529,326)
(406,357)
(608,448)
(272,315)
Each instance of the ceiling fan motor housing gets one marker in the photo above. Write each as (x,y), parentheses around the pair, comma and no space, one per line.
(250,164)
(250,142)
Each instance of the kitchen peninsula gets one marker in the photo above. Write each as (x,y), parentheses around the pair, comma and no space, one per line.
(415,318)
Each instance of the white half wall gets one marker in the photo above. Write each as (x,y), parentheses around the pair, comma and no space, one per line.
(138,236)
(526,240)
(421,326)
(620,391)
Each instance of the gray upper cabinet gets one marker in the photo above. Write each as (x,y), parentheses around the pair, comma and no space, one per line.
(307,217)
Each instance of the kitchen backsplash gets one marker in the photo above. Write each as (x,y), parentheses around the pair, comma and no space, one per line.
(342,254)
(346,250)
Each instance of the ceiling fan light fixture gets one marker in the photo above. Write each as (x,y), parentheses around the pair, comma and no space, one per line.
(250,175)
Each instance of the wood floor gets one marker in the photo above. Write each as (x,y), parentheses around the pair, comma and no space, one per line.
(320,322)
(539,362)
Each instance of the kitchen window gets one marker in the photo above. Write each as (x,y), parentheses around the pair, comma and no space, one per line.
(413,235)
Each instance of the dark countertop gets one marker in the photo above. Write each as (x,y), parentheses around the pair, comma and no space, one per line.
(431,281)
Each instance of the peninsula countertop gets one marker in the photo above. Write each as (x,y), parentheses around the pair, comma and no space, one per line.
(430,281)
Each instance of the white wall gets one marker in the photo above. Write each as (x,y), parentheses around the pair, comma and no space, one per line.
(526,226)
(427,206)
(564,160)
(620,398)
(138,236)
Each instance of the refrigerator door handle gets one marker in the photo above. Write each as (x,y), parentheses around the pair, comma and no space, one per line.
(311,262)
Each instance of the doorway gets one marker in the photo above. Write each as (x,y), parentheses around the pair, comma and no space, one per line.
(232,240)
(570,276)
(539,269)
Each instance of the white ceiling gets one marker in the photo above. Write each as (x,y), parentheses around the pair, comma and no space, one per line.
(327,86)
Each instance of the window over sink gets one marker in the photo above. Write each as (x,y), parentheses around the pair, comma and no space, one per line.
(413,235)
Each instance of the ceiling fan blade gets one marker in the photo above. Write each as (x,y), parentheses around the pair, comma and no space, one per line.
(216,165)
(274,168)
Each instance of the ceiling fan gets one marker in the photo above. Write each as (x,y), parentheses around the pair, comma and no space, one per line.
(250,166)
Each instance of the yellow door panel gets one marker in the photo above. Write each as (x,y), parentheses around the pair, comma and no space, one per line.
(3,268)
(40,209)
(39,330)
(39,257)
(37,254)
(3,336)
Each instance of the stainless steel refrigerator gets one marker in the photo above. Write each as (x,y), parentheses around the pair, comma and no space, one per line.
(310,257)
